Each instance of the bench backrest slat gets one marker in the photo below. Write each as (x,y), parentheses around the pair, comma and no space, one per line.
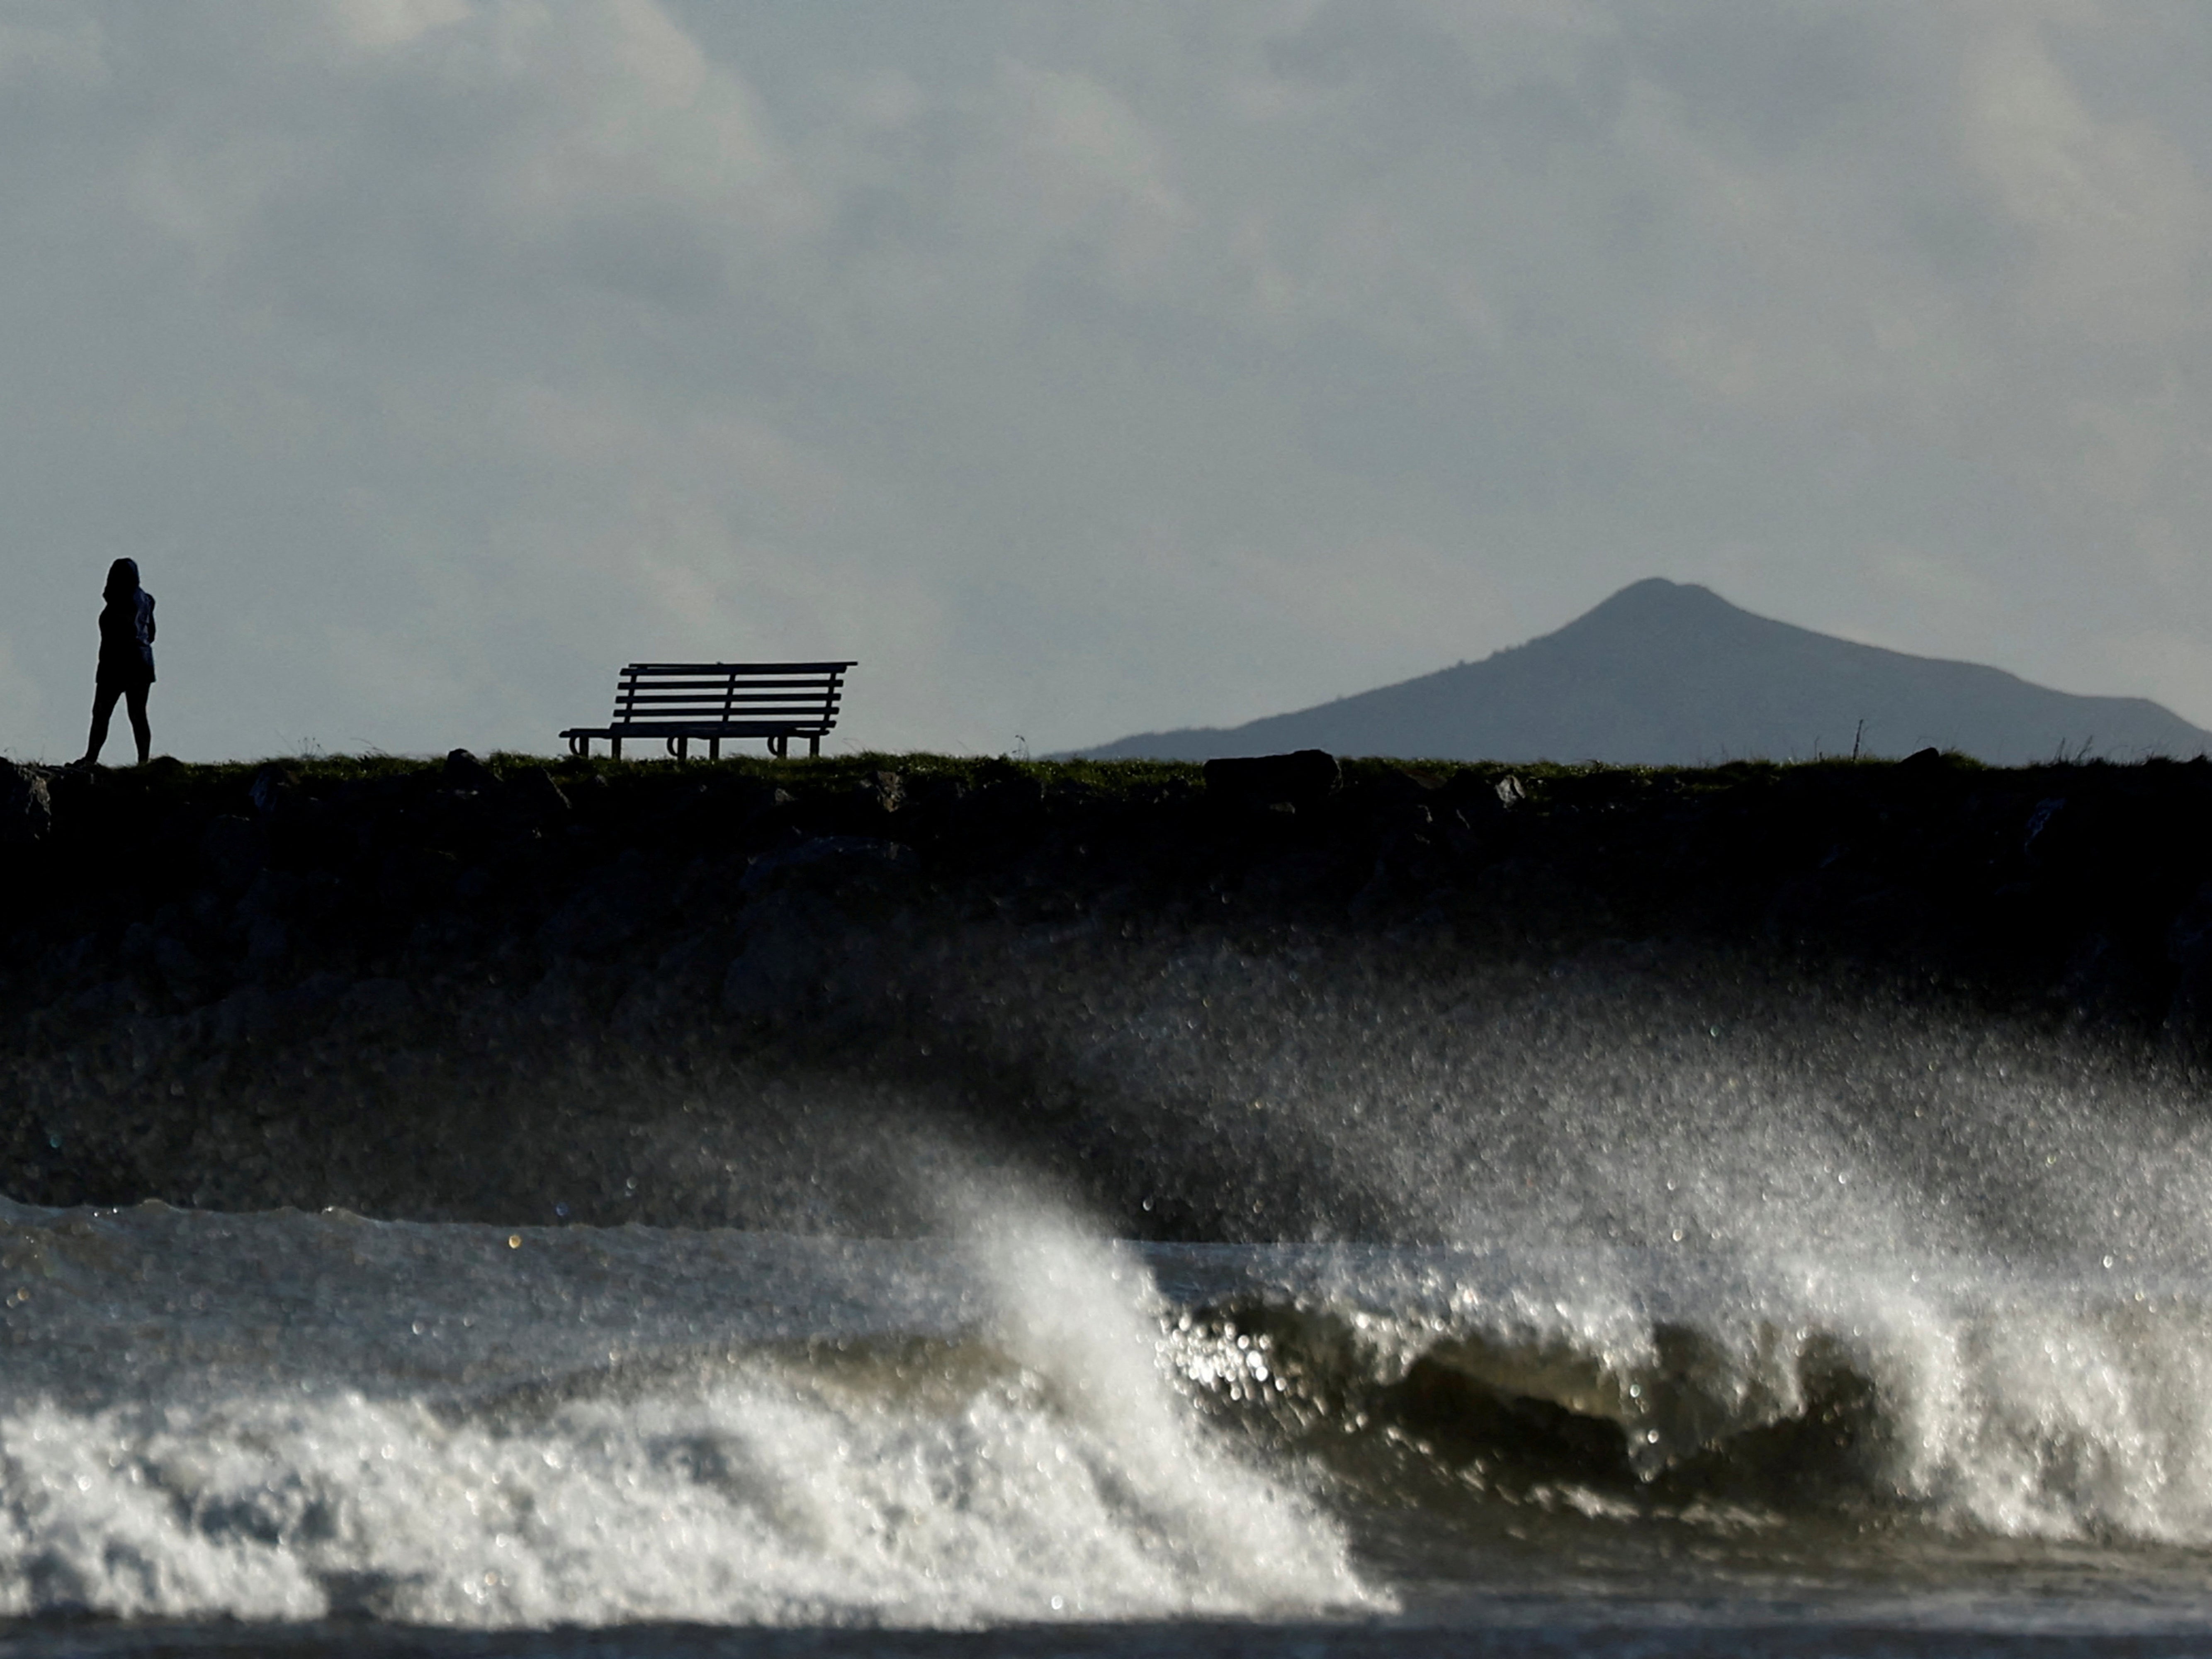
(712,668)
(716,695)
(716,689)
(694,710)
(697,692)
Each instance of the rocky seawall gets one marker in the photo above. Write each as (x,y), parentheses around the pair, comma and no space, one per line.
(829,993)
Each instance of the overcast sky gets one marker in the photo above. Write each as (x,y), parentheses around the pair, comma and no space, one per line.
(1081,368)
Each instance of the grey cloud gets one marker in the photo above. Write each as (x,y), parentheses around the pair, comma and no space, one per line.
(1780,77)
(1081,369)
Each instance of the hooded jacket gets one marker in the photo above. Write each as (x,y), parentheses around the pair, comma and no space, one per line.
(126,628)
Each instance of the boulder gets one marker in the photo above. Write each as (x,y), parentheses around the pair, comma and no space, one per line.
(273,784)
(1006,802)
(884,792)
(181,971)
(2189,948)
(787,945)
(533,791)
(609,910)
(26,811)
(234,848)
(1305,778)
(828,862)
(464,771)
(377,1004)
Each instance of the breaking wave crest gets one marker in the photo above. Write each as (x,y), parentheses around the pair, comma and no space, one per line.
(1625,1387)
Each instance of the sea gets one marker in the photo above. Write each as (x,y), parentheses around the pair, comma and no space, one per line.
(1889,1333)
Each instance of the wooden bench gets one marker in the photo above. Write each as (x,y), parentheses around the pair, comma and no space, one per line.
(677,701)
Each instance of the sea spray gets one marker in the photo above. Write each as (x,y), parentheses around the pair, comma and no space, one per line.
(1085,1321)
(1933,1394)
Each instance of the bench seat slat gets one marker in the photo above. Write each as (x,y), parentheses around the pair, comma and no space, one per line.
(708,728)
(715,712)
(714,716)
(700,729)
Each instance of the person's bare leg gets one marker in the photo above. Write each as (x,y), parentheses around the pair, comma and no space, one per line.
(134,699)
(103,708)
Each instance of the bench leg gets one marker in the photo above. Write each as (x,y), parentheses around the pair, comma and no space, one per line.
(714,749)
(814,749)
(776,746)
(683,749)
(615,743)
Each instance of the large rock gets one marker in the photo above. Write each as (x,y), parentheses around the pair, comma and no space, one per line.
(26,811)
(2189,948)
(788,945)
(463,770)
(1303,779)
(233,849)
(829,863)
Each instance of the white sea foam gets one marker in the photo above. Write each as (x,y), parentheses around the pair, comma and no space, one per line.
(1037,1466)
(762,1499)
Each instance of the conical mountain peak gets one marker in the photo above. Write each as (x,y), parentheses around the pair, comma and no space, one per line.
(1671,673)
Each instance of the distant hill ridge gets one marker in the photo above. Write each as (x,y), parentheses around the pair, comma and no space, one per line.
(1670,673)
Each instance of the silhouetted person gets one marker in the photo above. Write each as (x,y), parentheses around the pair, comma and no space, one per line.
(126,659)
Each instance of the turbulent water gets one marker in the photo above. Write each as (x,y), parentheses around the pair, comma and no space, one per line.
(1830,1333)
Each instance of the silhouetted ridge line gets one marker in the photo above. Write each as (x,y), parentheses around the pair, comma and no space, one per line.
(1669,673)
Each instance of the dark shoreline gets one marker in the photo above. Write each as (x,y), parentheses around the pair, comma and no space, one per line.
(769,993)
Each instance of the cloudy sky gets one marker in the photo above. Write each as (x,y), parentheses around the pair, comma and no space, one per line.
(1081,368)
